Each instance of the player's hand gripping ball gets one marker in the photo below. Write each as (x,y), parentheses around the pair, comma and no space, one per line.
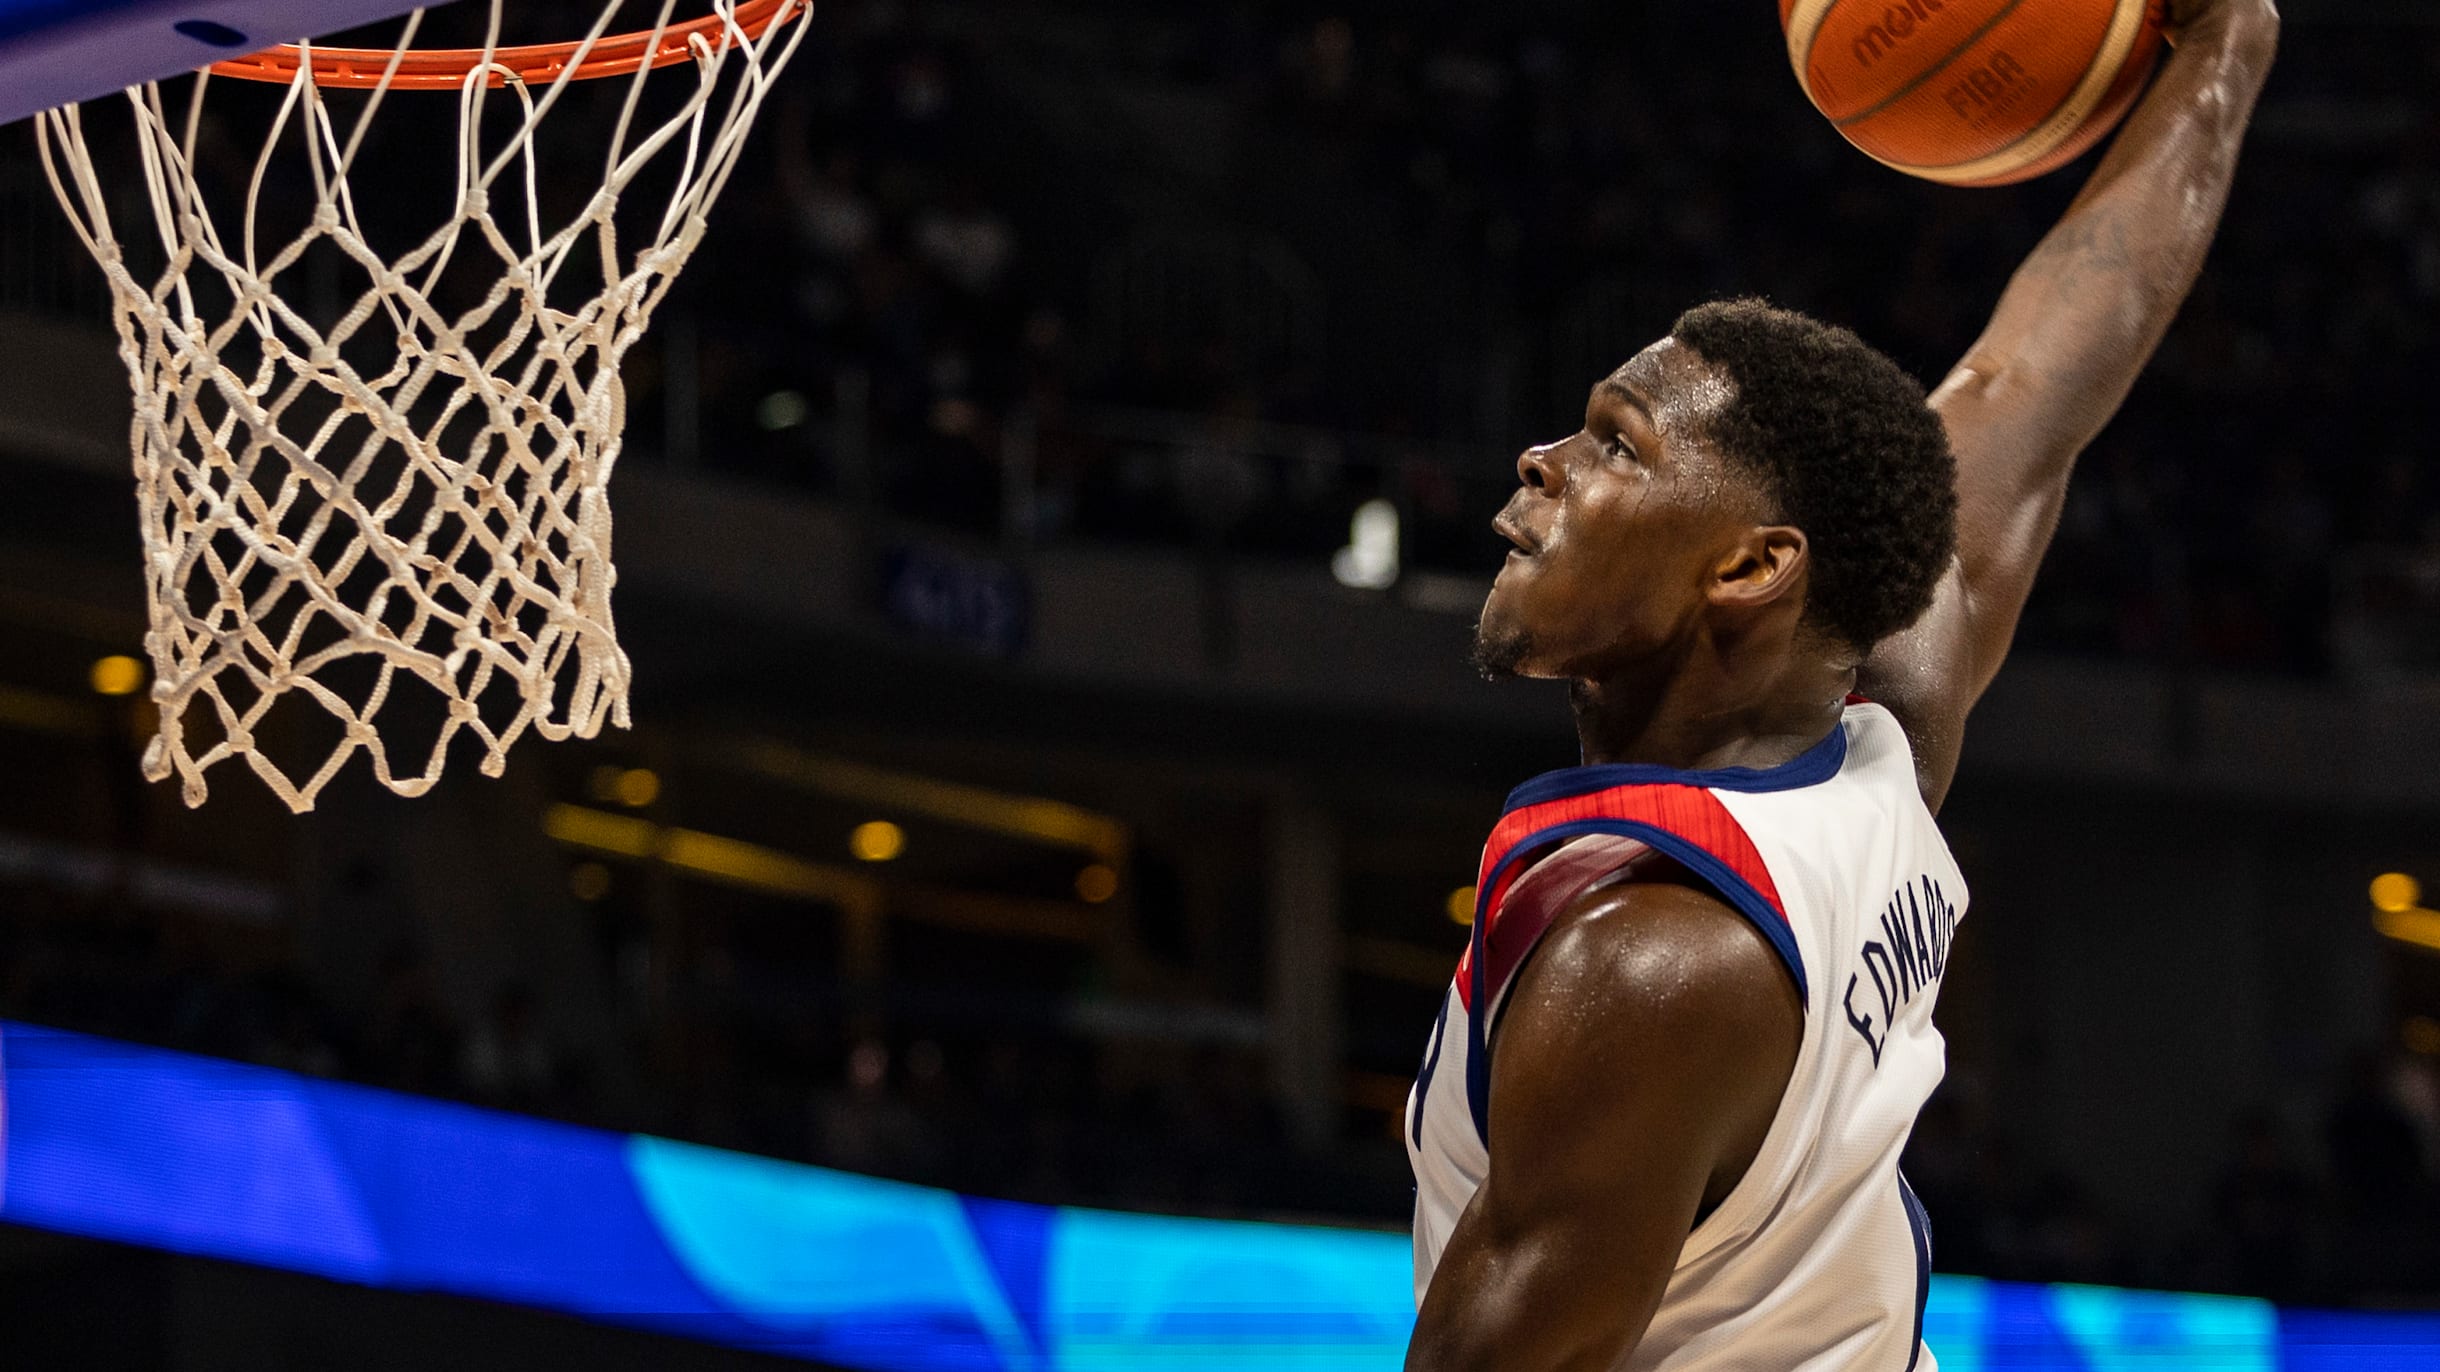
(1974,92)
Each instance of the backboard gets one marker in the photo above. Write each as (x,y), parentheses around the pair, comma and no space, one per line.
(56,51)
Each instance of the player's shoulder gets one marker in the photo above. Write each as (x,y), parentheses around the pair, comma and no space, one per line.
(1666,956)
(1653,995)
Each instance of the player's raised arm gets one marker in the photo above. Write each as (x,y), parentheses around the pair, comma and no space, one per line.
(2073,331)
(1642,1056)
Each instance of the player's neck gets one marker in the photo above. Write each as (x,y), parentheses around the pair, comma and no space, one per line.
(1705,711)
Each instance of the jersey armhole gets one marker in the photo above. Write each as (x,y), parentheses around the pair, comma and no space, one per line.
(1665,819)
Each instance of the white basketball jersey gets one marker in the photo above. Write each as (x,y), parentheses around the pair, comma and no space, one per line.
(1820,1257)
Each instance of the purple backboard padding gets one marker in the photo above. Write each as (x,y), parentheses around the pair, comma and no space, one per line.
(56,51)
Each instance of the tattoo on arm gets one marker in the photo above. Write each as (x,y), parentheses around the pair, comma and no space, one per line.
(2092,244)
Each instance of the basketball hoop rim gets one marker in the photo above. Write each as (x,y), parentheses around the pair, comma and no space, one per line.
(446,69)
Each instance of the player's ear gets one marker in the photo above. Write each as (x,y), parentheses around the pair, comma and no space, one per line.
(1761,568)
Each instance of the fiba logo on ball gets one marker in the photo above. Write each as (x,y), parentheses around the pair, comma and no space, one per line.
(1988,90)
(1898,23)
(1974,92)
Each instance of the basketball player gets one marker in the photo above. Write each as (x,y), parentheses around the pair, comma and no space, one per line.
(1659,1123)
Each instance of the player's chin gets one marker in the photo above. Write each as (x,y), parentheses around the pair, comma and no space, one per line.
(1503,648)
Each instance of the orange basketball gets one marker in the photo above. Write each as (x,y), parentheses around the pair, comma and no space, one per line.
(1973,92)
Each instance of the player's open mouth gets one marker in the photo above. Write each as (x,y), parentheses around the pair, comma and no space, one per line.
(1526,546)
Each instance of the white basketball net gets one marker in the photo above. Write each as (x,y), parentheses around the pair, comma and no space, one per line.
(447,472)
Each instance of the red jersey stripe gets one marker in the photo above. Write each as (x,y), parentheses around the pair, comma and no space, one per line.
(1689,813)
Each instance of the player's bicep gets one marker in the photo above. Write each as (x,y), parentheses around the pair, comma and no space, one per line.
(1562,1256)
(1646,1043)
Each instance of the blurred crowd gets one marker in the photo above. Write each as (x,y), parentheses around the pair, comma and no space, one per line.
(1216,276)
(1004,1106)
(2333,1203)
(933,311)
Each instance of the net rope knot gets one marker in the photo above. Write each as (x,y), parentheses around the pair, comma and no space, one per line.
(411,497)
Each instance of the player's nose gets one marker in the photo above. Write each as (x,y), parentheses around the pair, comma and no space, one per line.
(1539,467)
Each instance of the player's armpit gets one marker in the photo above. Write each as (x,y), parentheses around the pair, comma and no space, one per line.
(1639,1063)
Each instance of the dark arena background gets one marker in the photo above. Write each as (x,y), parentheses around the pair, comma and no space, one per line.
(1055,506)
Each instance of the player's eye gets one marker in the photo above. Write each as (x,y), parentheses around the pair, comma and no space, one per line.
(1615,446)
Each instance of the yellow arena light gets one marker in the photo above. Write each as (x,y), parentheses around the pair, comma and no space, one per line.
(1096,884)
(877,841)
(2398,914)
(637,787)
(1461,906)
(117,675)
(2396,892)
(2418,927)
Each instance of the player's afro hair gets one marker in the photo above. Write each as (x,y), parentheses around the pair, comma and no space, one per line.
(1842,438)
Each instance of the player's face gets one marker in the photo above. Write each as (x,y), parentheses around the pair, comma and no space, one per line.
(1620,530)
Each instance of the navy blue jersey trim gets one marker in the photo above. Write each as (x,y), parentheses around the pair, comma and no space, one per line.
(1920,1223)
(1812,767)
(1723,879)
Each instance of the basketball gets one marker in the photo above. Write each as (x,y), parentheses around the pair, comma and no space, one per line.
(1973,92)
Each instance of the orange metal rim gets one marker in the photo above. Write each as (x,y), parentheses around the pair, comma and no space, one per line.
(439,69)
